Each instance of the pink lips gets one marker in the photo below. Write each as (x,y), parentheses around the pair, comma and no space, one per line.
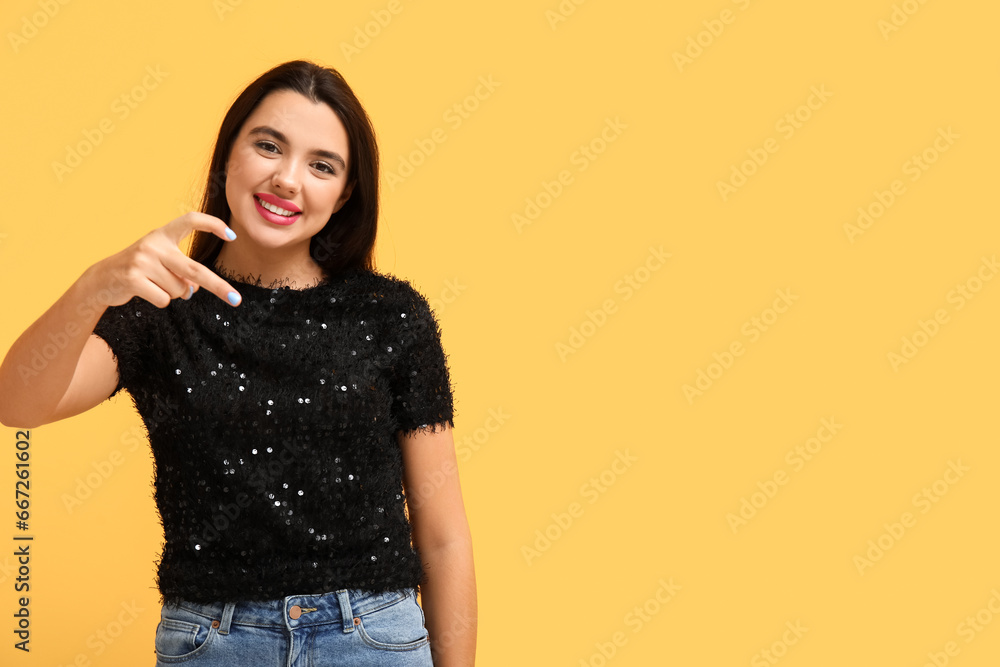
(276,201)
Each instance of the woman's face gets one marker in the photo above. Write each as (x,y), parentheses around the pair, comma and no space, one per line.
(292,154)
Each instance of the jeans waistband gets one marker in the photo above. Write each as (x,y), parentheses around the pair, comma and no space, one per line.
(343,606)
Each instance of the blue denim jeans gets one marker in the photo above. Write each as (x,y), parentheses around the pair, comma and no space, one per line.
(345,627)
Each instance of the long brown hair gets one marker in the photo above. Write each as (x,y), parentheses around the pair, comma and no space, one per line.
(347,241)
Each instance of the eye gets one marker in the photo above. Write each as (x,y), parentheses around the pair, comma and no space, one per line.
(267,146)
(326,167)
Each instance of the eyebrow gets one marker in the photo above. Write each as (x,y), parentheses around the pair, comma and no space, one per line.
(270,131)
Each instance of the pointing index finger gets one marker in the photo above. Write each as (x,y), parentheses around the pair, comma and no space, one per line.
(194,271)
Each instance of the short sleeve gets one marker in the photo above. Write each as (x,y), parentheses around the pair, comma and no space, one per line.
(123,329)
(421,379)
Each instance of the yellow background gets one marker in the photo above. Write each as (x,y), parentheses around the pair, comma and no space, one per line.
(507,297)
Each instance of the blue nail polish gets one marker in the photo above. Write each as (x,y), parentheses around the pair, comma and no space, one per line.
(230,233)
(234,298)
(190,292)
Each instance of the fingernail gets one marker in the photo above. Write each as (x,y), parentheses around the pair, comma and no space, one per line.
(234,298)
(230,233)
(190,292)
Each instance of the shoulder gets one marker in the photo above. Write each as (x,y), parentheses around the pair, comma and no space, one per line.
(392,290)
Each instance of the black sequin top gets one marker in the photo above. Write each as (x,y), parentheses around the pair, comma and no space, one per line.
(273,428)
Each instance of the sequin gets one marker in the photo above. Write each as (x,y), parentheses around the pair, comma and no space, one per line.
(300,493)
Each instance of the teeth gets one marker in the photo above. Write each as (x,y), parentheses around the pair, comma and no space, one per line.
(274,209)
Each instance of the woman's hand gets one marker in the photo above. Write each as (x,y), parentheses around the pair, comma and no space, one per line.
(156,269)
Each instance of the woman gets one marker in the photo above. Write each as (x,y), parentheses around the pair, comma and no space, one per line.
(293,406)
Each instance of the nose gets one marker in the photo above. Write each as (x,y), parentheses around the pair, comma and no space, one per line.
(286,176)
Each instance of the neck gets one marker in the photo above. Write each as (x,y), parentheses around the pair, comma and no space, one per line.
(270,269)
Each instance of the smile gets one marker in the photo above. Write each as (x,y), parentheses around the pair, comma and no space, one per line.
(275,214)
(275,209)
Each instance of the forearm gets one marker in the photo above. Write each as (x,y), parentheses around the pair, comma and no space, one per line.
(448,597)
(40,364)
